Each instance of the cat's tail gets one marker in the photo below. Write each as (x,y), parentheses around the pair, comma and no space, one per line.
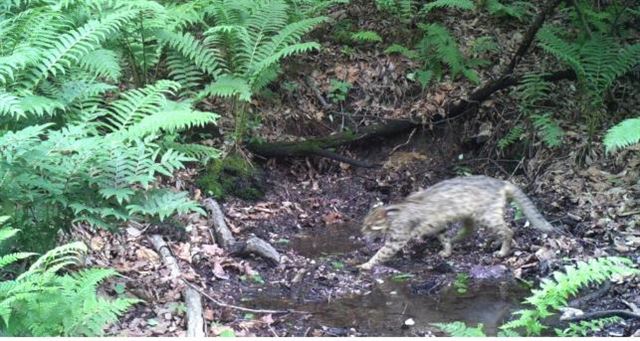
(529,209)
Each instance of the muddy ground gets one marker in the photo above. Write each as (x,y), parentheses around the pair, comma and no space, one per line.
(311,214)
(313,207)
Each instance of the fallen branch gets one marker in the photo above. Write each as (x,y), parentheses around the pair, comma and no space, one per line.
(583,300)
(310,82)
(224,238)
(193,302)
(256,246)
(547,10)
(223,235)
(604,313)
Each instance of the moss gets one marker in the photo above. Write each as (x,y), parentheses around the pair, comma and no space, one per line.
(233,176)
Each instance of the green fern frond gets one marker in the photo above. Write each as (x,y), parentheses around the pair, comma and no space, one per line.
(460,329)
(517,9)
(14,257)
(438,39)
(173,116)
(583,328)
(196,151)
(206,58)
(228,86)
(484,44)
(622,135)
(466,5)
(366,36)
(59,257)
(185,73)
(102,63)
(10,106)
(548,129)
(137,104)
(564,51)
(165,203)
(73,46)
(512,136)
(554,292)
(397,48)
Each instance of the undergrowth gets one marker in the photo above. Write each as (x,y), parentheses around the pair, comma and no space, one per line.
(554,293)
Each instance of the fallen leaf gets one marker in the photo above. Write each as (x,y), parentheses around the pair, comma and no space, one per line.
(208,314)
(147,254)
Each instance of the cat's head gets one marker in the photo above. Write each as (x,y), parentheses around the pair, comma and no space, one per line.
(377,220)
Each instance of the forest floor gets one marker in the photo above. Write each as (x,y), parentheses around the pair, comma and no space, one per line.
(313,208)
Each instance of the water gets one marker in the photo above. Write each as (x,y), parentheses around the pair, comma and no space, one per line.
(384,309)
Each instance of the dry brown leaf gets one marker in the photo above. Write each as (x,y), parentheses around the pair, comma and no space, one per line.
(147,254)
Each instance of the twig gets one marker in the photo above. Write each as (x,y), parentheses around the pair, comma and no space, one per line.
(530,34)
(404,144)
(249,310)
(604,313)
(317,92)
(193,302)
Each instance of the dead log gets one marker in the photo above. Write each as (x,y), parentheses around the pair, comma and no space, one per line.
(224,238)
(322,146)
(192,299)
(223,235)
(255,245)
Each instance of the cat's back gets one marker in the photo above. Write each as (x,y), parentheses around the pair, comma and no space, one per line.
(477,188)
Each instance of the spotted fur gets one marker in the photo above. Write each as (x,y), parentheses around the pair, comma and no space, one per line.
(473,200)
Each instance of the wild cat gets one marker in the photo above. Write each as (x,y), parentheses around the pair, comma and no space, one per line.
(474,200)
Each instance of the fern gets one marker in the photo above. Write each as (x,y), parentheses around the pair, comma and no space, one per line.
(583,328)
(484,44)
(39,302)
(242,49)
(459,329)
(512,136)
(164,204)
(622,135)
(598,62)
(397,48)
(554,292)
(517,9)
(438,48)
(403,9)
(458,4)
(366,36)
(548,129)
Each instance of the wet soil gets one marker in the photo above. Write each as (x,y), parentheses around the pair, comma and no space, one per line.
(313,220)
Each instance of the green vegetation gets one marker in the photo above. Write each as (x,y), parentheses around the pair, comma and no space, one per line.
(554,293)
(232,176)
(102,102)
(40,302)
(461,284)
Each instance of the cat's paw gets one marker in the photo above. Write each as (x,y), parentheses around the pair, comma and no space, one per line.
(444,254)
(501,254)
(365,266)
